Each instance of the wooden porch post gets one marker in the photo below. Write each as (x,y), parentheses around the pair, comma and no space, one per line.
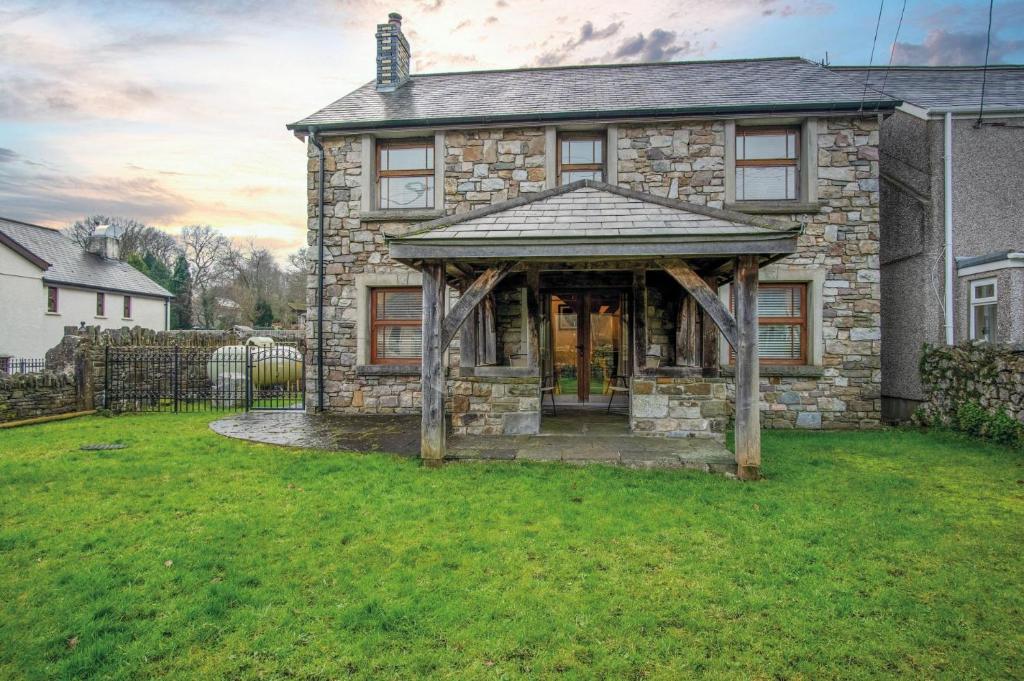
(533,317)
(748,413)
(639,322)
(709,338)
(432,435)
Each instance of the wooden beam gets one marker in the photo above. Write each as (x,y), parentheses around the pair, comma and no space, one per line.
(467,341)
(470,298)
(688,332)
(709,359)
(706,297)
(432,435)
(639,322)
(533,314)
(748,379)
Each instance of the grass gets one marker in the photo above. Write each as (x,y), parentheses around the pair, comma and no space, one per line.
(186,555)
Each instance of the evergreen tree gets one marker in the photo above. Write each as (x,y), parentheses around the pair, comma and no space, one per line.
(180,284)
(264,316)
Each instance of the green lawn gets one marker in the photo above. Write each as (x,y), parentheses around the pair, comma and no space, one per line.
(186,555)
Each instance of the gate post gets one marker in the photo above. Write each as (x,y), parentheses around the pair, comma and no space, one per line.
(248,377)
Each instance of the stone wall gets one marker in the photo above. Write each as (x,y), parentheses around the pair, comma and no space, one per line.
(490,166)
(989,376)
(684,161)
(25,396)
(679,407)
(495,405)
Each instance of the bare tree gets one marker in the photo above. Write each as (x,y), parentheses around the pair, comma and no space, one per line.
(137,239)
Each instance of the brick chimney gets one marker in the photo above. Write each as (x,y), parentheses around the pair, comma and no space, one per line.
(104,242)
(392,55)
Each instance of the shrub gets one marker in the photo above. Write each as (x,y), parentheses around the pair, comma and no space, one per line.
(971,418)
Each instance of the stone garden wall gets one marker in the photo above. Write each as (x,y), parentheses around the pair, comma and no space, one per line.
(679,407)
(978,388)
(47,393)
(495,405)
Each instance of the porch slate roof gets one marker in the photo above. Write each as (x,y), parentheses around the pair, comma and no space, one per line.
(594,213)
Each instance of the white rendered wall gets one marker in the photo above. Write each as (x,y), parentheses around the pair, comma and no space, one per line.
(28,330)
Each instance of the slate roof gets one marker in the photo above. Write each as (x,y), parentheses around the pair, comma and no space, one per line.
(70,264)
(942,87)
(606,219)
(562,93)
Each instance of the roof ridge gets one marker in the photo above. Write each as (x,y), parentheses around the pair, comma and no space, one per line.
(564,67)
(29,224)
(927,67)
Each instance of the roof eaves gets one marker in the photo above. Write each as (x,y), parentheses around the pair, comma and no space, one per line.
(112,289)
(875,105)
(23,252)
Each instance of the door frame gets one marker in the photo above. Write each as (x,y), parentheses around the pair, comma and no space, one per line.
(584,353)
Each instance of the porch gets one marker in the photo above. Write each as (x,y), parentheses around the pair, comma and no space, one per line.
(579,437)
(598,269)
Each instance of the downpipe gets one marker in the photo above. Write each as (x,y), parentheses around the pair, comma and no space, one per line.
(948,214)
(319,272)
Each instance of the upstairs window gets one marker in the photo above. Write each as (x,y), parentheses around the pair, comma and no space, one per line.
(767,164)
(580,157)
(405,174)
(984,294)
(781,323)
(396,325)
(51,299)
(126,312)
(101,305)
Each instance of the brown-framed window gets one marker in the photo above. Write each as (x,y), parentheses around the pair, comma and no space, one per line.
(405,174)
(767,164)
(52,298)
(782,323)
(101,304)
(396,325)
(580,156)
(126,310)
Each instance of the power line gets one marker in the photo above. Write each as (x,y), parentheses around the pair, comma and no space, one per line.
(892,52)
(984,69)
(871,60)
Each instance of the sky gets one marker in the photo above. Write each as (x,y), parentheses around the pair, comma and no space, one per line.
(173,112)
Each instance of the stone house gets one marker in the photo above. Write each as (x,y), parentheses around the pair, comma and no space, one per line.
(952,203)
(697,240)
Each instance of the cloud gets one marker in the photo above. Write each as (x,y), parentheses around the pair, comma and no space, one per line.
(943,47)
(491,20)
(465,23)
(587,34)
(7,155)
(432,5)
(501,3)
(658,45)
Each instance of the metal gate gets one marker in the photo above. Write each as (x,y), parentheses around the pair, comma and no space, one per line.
(184,379)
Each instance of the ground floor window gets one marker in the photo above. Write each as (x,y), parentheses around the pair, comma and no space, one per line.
(984,293)
(51,299)
(101,305)
(396,325)
(782,323)
(127,311)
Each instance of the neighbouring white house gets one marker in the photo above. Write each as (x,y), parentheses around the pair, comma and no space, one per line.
(47,282)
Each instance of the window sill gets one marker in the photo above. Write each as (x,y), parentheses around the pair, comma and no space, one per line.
(782,370)
(773,207)
(499,372)
(53,314)
(388,370)
(401,215)
(100,317)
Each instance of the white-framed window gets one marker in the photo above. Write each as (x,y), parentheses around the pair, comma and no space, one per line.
(581,156)
(405,174)
(984,296)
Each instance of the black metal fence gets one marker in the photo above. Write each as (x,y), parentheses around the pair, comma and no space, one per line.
(182,379)
(21,365)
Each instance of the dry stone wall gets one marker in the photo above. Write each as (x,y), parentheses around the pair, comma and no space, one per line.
(679,407)
(991,377)
(25,396)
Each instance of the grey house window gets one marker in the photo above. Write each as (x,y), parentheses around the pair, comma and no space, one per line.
(984,295)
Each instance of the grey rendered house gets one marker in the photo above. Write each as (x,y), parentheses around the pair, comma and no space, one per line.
(952,261)
(697,240)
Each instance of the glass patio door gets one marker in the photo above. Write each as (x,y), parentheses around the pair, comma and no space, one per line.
(587,347)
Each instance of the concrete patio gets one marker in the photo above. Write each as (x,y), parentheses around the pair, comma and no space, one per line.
(574,436)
